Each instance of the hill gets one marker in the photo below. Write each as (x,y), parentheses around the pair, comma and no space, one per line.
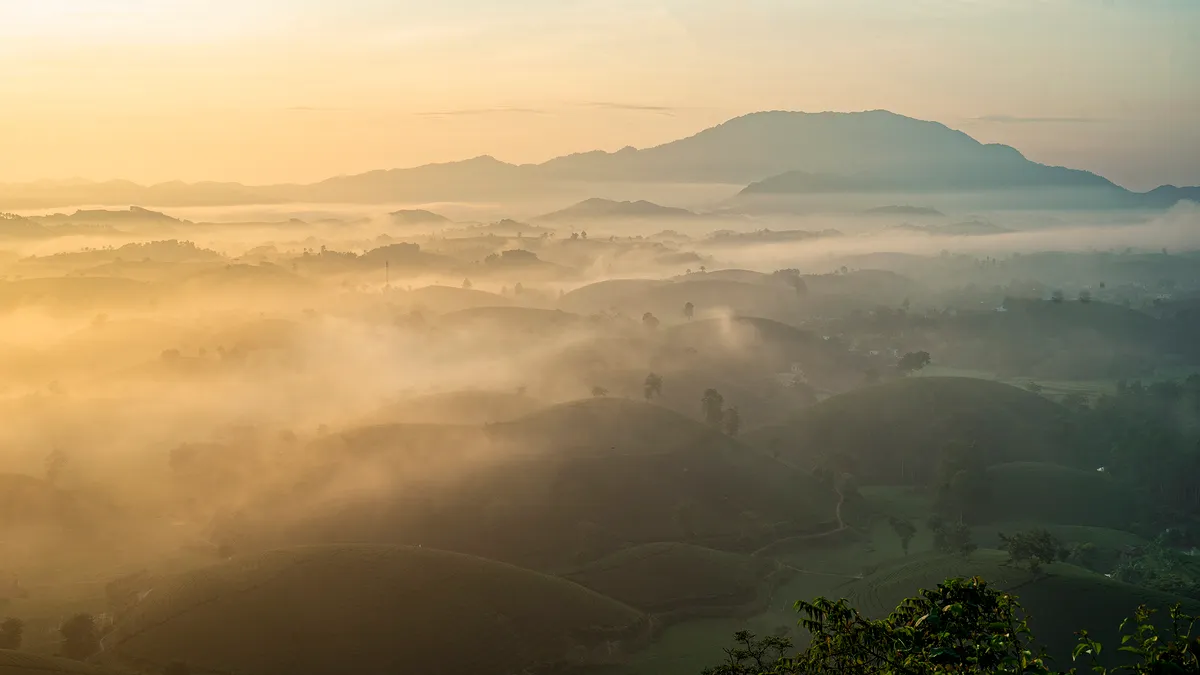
(446,299)
(777,152)
(919,417)
(1065,596)
(553,490)
(409,217)
(22,663)
(313,611)
(1049,493)
(904,210)
(456,407)
(604,295)
(607,209)
(680,579)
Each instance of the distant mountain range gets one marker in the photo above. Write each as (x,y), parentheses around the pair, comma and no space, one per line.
(772,154)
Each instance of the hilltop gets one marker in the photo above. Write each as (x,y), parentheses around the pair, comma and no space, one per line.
(602,209)
(920,417)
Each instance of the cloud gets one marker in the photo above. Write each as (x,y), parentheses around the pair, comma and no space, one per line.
(632,107)
(483,111)
(1015,119)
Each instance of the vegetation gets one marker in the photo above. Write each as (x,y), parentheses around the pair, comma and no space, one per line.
(80,637)
(1033,548)
(962,626)
(11,633)
(904,530)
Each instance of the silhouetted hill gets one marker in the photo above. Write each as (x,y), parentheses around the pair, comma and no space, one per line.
(599,209)
(903,210)
(418,217)
(774,153)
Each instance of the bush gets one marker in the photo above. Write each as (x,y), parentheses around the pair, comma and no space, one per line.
(80,637)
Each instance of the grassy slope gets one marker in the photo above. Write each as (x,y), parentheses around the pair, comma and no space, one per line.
(900,427)
(373,609)
(552,490)
(19,663)
(1049,493)
(680,578)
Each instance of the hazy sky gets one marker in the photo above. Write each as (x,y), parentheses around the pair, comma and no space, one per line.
(296,90)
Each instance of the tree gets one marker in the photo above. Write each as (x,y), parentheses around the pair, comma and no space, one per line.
(599,392)
(713,406)
(1085,296)
(689,311)
(466,284)
(962,626)
(733,421)
(11,632)
(649,321)
(913,361)
(56,463)
(951,537)
(1033,548)
(903,529)
(1057,297)
(653,386)
(80,637)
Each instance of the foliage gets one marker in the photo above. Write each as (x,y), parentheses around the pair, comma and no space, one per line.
(80,637)
(11,633)
(1033,548)
(903,529)
(1085,296)
(951,536)
(599,392)
(913,361)
(1178,652)
(713,407)
(963,627)
(652,386)
(650,321)
(1161,567)
(1057,297)
(689,311)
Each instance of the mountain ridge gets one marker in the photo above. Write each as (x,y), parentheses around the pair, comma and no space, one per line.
(770,153)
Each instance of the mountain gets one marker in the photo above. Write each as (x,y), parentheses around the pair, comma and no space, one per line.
(773,153)
(133,215)
(607,209)
(903,210)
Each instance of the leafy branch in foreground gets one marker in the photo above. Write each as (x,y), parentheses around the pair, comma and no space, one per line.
(963,626)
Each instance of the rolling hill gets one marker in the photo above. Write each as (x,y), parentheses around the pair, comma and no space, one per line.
(21,663)
(552,490)
(373,610)
(895,432)
(607,209)
(677,580)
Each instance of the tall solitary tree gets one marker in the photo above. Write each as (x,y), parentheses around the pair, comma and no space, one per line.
(689,311)
(713,406)
(80,637)
(653,386)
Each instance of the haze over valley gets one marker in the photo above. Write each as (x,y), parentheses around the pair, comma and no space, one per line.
(613,411)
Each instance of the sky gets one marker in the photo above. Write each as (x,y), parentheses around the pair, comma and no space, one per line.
(267,91)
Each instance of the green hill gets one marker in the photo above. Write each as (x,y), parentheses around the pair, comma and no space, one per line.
(1064,599)
(456,407)
(1049,493)
(372,609)
(680,579)
(552,490)
(895,432)
(21,663)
